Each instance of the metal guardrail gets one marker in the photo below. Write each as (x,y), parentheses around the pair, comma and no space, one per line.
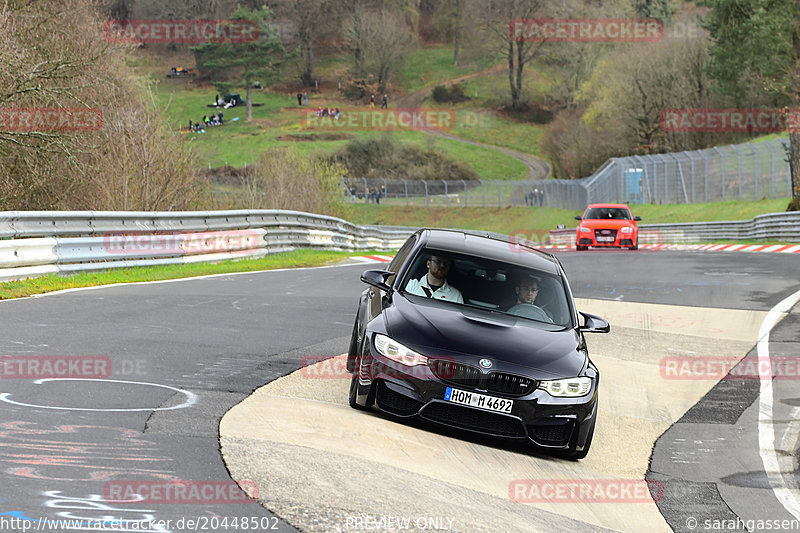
(43,242)
(784,227)
(34,243)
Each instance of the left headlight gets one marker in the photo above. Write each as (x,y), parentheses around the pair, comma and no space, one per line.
(572,387)
(584,229)
(395,351)
(626,229)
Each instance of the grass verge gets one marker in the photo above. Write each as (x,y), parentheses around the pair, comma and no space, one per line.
(55,282)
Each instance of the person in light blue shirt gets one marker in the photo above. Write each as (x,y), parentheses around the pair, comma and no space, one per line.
(434,283)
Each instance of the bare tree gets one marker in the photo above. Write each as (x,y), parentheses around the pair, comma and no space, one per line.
(382,39)
(516,50)
(53,56)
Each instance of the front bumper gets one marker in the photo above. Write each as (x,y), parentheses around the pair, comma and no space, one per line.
(545,421)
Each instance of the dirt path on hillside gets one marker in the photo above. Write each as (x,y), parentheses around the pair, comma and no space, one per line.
(538,169)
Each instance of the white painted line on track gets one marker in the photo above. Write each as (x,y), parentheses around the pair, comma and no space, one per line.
(191,398)
(172,280)
(766,428)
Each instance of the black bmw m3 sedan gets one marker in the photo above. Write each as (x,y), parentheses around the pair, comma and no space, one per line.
(479,332)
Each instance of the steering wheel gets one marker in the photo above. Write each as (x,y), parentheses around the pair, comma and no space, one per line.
(530,311)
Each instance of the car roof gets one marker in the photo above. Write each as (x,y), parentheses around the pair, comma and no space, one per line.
(623,206)
(491,246)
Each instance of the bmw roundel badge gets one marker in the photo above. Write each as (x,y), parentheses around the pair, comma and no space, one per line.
(486,363)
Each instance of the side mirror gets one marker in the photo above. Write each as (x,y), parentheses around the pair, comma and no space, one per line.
(578,217)
(377,278)
(594,324)
(637,218)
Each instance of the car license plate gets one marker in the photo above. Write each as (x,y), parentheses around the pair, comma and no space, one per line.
(605,239)
(481,401)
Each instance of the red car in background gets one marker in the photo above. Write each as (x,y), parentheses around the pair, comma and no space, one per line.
(607,225)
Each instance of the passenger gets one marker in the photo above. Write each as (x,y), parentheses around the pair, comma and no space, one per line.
(434,283)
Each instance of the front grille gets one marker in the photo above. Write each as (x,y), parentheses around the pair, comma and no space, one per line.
(554,432)
(605,233)
(470,377)
(510,384)
(456,373)
(394,402)
(473,420)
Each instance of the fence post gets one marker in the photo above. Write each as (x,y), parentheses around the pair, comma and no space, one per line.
(739,153)
(722,155)
(466,193)
(689,155)
(756,169)
(483,192)
(405,186)
(426,192)
(772,168)
(446,197)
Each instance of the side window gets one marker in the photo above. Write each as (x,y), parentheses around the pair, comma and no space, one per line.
(401,257)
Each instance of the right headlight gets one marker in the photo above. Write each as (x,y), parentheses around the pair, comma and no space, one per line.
(584,229)
(395,351)
(571,388)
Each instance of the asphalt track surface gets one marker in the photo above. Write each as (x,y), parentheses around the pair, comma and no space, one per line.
(180,354)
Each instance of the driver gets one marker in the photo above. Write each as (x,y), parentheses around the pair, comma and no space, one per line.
(527,291)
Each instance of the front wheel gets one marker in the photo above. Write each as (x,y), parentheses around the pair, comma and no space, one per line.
(581,248)
(355,385)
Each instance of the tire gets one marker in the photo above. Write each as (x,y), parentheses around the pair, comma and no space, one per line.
(352,351)
(581,248)
(354,384)
(636,244)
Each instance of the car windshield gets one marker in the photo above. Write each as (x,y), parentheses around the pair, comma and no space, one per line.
(607,213)
(488,284)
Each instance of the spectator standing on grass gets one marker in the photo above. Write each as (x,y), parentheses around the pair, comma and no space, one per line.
(541,198)
(299,98)
(385,102)
(372,101)
(305,98)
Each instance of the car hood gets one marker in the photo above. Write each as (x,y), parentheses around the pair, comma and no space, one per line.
(516,344)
